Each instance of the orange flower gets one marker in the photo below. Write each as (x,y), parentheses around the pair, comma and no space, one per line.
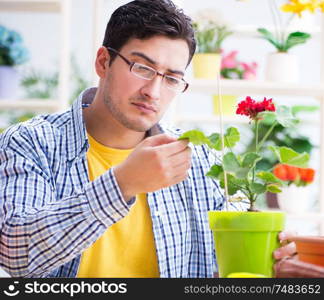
(286,172)
(300,176)
(307,174)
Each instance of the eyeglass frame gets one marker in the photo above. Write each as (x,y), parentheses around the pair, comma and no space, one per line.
(157,73)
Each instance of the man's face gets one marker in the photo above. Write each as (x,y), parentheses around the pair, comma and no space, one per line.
(136,103)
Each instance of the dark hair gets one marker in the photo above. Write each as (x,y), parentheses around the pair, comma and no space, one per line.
(144,19)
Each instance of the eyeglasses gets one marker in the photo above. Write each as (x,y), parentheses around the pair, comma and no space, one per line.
(148,73)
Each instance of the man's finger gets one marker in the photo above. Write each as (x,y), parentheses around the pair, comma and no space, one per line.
(287,250)
(287,235)
(174,147)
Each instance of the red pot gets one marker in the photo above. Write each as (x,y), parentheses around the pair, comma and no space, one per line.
(310,249)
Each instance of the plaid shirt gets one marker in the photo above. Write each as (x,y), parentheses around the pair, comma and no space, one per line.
(50,212)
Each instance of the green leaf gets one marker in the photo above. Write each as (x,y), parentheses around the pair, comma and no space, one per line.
(257,188)
(273,188)
(215,171)
(230,162)
(285,117)
(296,38)
(250,159)
(233,184)
(268,177)
(268,117)
(290,157)
(304,108)
(215,141)
(231,137)
(267,35)
(195,137)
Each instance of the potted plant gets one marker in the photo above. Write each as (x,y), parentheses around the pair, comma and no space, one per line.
(284,137)
(12,53)
(210,32)
(245,241)
(282,66)
(233,68)
(294,196)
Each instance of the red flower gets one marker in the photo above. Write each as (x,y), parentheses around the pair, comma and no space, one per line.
(251,108)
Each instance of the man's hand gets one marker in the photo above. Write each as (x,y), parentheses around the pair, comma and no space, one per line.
(157,162)
(288,249)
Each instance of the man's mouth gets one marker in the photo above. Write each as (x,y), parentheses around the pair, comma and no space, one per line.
(145,107)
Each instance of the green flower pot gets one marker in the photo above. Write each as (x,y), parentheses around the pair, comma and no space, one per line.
(245,241)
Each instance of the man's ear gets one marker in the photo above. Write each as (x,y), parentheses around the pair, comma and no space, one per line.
(102,61)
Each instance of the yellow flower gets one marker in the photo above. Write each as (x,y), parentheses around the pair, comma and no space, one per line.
(321,6)
(312,5)
(297,6)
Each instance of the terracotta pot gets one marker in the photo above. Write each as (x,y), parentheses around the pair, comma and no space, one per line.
(310,249)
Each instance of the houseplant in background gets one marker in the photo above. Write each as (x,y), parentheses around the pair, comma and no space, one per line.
(233,68)
(12,53)
(294,195)
(282,66)
(245,241)
(210,31)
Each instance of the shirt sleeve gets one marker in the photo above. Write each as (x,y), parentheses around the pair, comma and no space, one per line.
(40,232)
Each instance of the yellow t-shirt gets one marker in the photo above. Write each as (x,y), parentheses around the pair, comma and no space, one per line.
(127,248)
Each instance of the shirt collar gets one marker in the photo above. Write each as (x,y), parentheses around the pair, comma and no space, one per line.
(77,137)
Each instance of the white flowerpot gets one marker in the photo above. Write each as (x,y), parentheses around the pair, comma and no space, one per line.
(9,82)
(294,199)
(282,67)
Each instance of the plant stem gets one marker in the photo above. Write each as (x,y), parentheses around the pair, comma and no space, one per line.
(266,136)
(276,19)
(256,135)
(256,144)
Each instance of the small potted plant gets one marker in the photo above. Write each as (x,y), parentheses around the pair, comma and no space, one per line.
(210,32)
(12,53)
(294,195)
(282,66)
(245,241)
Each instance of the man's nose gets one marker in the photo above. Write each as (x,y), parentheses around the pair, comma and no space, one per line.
(152,88)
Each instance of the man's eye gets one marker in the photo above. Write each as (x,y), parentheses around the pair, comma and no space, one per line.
(143,69)
(172,80)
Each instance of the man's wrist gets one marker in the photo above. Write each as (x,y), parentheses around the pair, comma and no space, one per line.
(124,184)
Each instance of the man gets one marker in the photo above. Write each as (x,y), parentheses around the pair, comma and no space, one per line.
(104,190)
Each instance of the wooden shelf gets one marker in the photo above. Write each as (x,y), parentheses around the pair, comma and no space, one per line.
(33,6)
(250,87)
